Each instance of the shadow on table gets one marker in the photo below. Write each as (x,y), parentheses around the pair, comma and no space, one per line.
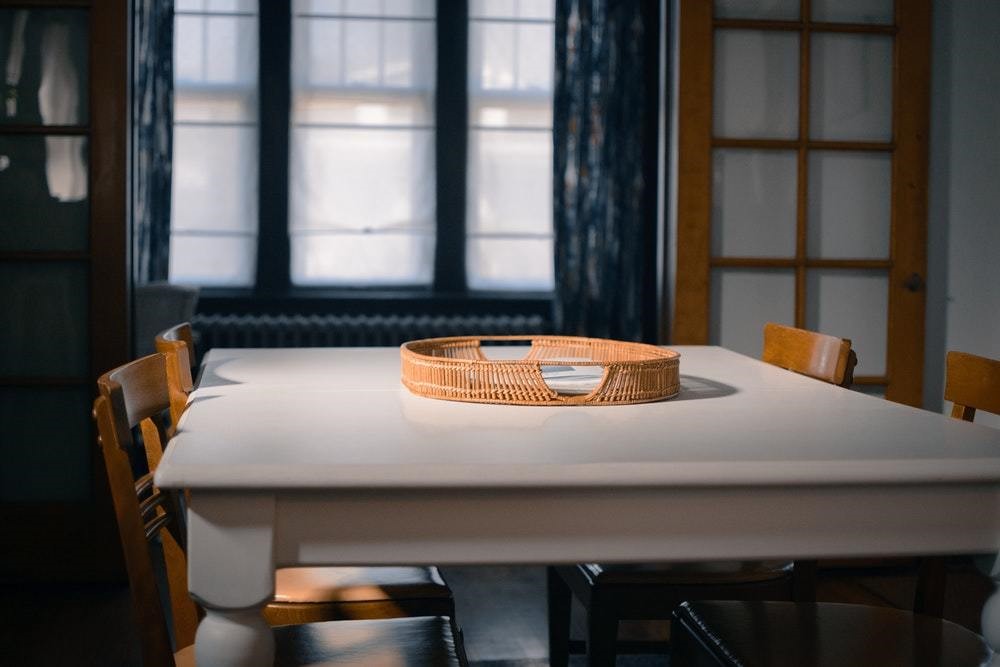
(694,388)
(214,379)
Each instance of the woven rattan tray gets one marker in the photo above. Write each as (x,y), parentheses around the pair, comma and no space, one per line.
(456,369)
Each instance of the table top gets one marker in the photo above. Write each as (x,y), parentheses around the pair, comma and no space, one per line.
(339,418)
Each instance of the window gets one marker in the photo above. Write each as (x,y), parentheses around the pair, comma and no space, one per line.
(396,172)
(213,235)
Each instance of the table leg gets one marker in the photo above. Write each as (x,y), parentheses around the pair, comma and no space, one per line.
(234,637)
(231,574)
(990,620)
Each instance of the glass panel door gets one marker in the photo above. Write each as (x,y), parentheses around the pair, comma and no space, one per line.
(796,213)
(44,276)
(64,313)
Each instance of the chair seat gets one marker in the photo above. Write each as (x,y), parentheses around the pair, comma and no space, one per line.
(786,634)
(398,641)
(686,573)
(358,584)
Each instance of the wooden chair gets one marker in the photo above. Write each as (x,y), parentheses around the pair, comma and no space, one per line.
(790,634)
(177,345)
(135,395)
(971,383)
(817,355)
(309,594)
(610,593)
(774,634)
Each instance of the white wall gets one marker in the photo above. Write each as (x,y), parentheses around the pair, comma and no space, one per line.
(963,272)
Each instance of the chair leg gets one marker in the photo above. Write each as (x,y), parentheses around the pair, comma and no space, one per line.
(929,597)
(559,600)
(804,581)
(602,634)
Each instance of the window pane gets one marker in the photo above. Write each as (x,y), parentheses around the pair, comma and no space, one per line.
(499,263)
(332,55)
(216,5)
(509,56)
(509,202)
(510,182)
(216,50)
(394,8)
(210,192)
(359,179)
(384,257)
(362,184)
(214,185)
(512,9)
(212,259)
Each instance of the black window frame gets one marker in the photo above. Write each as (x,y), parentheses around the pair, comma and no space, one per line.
(273,291)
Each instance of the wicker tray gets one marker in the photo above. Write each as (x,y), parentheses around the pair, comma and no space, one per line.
(456,369)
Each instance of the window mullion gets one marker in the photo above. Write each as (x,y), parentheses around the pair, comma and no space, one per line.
(273,246)
(451,139)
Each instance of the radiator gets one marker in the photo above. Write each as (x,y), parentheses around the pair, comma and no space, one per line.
(350,330)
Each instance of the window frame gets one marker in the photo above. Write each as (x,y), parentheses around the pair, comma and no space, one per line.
(273,290)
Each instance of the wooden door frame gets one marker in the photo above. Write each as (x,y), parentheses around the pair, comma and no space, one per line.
(909,150)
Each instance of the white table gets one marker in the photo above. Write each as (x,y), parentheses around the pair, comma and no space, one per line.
(320,456)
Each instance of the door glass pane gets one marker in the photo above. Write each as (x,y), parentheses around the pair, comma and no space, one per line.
(48,300)
(851,87)
(852,11)
(44,54)
(753,203)
(43,193)
(756,84)
(46,445)
(876,390)
(362,183)
(851,304)
(743,300)
(785,10)
(850,197)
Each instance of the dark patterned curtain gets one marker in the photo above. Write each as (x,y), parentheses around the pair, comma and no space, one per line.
(152,112)
(604,131)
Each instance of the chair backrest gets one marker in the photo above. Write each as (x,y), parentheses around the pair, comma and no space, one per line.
(817,355)
(135,396)
(972,383)
(177,344)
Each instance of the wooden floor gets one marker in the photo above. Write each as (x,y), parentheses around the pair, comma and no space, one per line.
(502,611)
